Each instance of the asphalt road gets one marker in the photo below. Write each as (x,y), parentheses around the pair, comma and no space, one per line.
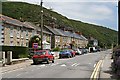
(80,66)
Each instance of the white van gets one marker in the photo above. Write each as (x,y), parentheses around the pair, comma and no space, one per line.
(92,49)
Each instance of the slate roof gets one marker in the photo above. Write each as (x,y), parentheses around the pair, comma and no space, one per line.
(70,34)
(10,20)
(67,33)
(35,27)
(83,37)
(75,35)
(53,30)
(14,21)
(61,32)
(28,25)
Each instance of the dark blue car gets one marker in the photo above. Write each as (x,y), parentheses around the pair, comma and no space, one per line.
(65,53)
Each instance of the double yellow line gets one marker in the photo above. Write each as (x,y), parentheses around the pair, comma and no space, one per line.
(95,74)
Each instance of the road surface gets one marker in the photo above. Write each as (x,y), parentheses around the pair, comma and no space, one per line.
(81,66)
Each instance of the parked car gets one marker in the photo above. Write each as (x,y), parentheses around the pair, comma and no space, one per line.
(116,61)
(83,50)
(72,52)
(78,51)
(65,53)
(42,56)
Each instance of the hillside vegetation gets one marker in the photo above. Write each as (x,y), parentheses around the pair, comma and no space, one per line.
(29,12)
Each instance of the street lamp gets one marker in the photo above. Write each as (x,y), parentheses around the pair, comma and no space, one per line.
(41,24)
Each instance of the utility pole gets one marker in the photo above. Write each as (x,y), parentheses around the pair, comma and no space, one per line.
(118,22)
(41,24)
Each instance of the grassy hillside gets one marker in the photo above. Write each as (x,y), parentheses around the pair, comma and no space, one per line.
(31,13)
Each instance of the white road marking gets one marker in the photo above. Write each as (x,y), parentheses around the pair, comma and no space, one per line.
(54,64)
(73,64)
(94,65)
(18,75)
(42,65)
(76,64)
(63,65)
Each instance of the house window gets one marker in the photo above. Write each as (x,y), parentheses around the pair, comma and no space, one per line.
(18,32)
(2,41)
(22,34)
(18,43)
(27,44)
(22,43)
(11,31)
(26,34)
(34,32)
(11,43)
(2,30)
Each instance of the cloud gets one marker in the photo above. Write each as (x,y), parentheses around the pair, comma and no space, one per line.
(83,10)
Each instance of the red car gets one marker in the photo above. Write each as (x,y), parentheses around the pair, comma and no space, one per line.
(42,56)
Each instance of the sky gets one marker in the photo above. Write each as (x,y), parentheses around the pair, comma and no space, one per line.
(98,12)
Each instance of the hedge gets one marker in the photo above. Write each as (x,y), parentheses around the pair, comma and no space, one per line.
(117,47)
(17,51)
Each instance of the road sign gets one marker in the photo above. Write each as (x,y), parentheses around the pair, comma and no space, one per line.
(35,45)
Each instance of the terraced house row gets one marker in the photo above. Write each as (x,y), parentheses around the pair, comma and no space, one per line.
(16,33)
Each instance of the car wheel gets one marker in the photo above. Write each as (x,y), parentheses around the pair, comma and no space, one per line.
(35,62)
(52,61)
(47,61)
(60,57)
(69,56)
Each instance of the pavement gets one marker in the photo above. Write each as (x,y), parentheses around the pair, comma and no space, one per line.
(106,69)
(8,68)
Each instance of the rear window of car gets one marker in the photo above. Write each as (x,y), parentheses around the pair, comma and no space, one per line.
(40,53)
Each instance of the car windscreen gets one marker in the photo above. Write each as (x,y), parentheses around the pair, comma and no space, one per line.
(40,53)
(61,52)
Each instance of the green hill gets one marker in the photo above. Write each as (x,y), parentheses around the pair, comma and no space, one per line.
(29,12)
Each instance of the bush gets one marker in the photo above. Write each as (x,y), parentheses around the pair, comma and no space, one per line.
(56,49)
(17,51)
(117,47)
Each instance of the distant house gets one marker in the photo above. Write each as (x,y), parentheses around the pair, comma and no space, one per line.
(84,42)
(63,38)
(71,39)
(93,42)
(55,38)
